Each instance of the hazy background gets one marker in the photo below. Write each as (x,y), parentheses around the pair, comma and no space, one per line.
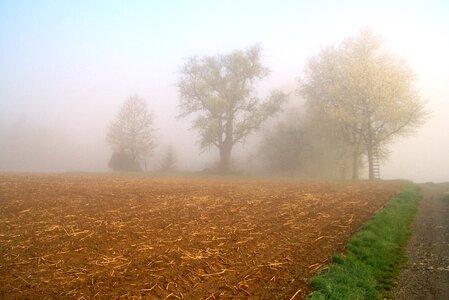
(66,67)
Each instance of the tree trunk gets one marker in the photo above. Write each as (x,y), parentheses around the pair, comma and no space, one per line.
(355,166)
(369,148)
(225,158)
(226,146)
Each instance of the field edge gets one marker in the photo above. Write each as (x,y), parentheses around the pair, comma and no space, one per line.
(374,255)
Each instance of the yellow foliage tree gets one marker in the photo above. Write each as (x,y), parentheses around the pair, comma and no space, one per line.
(365,92)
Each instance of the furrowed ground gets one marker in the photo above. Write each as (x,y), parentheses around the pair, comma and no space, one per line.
(82,237)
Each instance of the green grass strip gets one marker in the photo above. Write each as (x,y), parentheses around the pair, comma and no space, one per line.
(374,255)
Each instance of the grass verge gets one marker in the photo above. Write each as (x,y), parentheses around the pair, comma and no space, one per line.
(374,255)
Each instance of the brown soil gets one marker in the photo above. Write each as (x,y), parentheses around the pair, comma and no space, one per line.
(426,273)
(82,237)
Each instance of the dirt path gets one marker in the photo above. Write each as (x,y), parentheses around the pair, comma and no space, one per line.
(426,273)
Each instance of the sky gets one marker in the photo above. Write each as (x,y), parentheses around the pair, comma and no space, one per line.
(67,66)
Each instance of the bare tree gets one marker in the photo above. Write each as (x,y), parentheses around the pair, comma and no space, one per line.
(220,91)
(131,134)
(367,94)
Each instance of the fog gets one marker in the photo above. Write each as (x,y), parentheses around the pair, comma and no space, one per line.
(66,68)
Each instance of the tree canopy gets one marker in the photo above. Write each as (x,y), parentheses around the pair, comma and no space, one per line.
(366,93)
(220,92)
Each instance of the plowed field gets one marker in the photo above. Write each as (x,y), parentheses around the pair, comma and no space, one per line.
(85,237)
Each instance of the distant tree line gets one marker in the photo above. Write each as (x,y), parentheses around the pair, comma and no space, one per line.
(358,99)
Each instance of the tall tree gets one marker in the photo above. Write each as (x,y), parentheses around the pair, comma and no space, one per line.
(131,134)
(366,92)
(220,91)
